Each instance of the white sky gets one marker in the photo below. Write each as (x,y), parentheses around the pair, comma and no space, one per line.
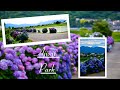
(34,20)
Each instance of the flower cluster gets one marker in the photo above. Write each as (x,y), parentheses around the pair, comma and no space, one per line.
(93,65)
(23,59)
(110,43)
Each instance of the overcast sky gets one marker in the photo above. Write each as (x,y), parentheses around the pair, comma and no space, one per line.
(35,20)
(92,42)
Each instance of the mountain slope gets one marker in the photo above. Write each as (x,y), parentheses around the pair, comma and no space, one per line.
(85,49)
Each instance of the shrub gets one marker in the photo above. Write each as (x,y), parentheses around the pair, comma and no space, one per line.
(23,37)
(44,30)
(52,30)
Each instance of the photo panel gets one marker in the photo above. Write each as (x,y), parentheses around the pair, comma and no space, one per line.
(92,62)
(35,30)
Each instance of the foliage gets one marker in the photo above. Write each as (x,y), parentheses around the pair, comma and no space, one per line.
(102,27)
(116,36)
(44,30)
(114,15)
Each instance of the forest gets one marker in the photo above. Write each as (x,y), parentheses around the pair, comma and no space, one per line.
(113,15)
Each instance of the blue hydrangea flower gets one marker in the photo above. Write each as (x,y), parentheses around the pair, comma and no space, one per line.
(3,65)
(14,67)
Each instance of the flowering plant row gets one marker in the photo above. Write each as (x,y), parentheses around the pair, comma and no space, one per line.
(93,65)
(22,62)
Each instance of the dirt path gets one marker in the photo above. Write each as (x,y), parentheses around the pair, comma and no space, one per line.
(113,64)
(45,37)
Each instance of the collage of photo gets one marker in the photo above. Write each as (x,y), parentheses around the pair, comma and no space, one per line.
(59,45)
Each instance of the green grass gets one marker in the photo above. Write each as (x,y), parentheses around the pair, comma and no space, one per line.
(51,25)
(45,26)
(82,33)
(85,58)
(116,36)
(1,39)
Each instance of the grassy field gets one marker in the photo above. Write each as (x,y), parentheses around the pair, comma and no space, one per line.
(82,33)
(45,26)
(115,35)
(51,25)
(85,58)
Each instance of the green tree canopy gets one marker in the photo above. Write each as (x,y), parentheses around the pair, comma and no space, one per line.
(102,26)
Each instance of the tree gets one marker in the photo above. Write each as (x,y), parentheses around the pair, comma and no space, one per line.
(83,21)
(57,22)
(101,26)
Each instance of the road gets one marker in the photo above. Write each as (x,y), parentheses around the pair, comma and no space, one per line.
(46,36)
(113,64)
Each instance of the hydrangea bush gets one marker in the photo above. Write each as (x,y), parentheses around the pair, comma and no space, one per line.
(22,62)
(93,65)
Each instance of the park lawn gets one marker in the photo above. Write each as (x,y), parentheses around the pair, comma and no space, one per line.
(47,26)
(81,32)
(1,39)
(116,36)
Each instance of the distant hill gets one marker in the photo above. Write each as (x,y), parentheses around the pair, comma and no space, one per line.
(114,15)
(25,25)
(85,49)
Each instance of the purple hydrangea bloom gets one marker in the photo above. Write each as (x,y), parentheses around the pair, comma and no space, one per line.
(9,56)
(2,47)
(64,58)
(50,65)
(9,63)
(37,65)
(3,65)
(69,50)
(21,50)
(10,51)
(75,51)
(14,67)
(29,49)
(69,75)
(24,59)
(22,56)
(18,74)
(22,77)
(38,50)
(46,48)
(16,48)
(21,67)
(47,59)
(1,44)
(34,52)
(60,47)
(29,67)
(34,60)
(0,53)
(59,77)
(38,72)
(57,59)
(41,45)
(29,59)
(17,61)
(65,76)
(27,63)
(25,47)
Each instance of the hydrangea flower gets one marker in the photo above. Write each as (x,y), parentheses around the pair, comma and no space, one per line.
(29,49)
(14,67)
(3,65)
(9,56)
(37,65)
(34,60)
(29,67)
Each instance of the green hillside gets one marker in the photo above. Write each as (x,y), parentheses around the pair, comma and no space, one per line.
(73,14)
